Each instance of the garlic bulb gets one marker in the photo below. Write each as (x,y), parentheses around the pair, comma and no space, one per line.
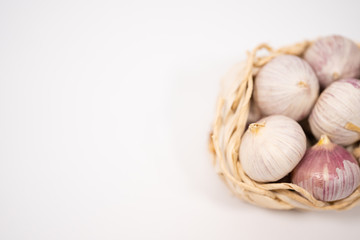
(271,148)
(327,171)
(333,58)
(337,112)
(286,85)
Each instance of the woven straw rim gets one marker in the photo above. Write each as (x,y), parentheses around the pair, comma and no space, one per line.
(231,116)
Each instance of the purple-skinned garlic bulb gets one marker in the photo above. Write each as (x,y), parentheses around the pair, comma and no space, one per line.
(337,112)
(286,85)
(332,58)
(327,171)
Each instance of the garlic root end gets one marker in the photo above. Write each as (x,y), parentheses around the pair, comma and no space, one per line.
(323,140)
(254,127)
(302,84)
(335,76)
(352,127)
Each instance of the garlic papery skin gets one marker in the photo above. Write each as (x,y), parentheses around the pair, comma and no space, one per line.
(286,85)
(271,148)
(327,171)
(333,58)
(337,112)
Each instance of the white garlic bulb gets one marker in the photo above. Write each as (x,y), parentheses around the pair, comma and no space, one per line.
(337,112)
(327,171)
(333,58)
(286,85)
(271,148)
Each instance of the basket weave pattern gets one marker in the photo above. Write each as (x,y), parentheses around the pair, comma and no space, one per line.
(230,122)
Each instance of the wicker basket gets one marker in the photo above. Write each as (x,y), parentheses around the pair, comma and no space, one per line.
(230,122)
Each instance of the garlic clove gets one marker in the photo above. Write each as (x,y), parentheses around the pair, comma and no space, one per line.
(271,148)
(337,112)
(333,58)
(327,171)
(286,85)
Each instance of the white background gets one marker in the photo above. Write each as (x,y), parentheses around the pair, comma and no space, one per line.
(105,111)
